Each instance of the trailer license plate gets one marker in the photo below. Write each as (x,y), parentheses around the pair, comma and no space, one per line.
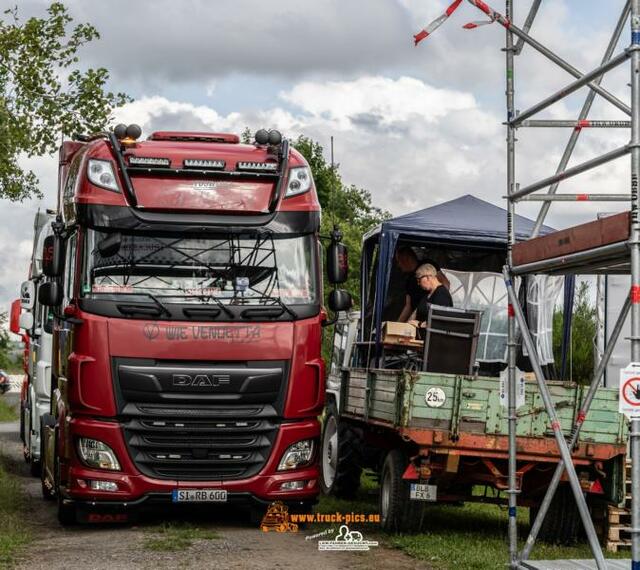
(421,492)
(199,496)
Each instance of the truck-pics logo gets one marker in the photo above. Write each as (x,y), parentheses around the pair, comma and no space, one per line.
(213,380)
(277,518)
(241,334)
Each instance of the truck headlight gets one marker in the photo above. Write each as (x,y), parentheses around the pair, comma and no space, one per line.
(297,455)
(299,181)
(100,172)
(97,454)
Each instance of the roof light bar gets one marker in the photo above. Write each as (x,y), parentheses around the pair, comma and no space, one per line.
(204,163)
(258,166)
(148,161)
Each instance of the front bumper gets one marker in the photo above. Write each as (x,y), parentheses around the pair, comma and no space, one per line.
(136,490)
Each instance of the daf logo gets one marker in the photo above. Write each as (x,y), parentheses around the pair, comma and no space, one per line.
(213,380)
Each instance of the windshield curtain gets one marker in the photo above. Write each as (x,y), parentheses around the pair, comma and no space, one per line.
(234,270)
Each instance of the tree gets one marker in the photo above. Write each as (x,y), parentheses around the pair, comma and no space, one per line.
(43,94)
(7,360)
(583,334)
(348,207)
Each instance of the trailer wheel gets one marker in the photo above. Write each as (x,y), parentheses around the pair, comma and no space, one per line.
(340,468)
(562,523)
(398,513)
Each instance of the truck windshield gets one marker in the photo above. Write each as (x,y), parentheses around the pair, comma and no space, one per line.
(232,270)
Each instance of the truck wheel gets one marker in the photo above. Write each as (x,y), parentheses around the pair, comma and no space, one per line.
(562,523)
(340,468)
(34,467)
(398,513)
(25,449)
(48,494)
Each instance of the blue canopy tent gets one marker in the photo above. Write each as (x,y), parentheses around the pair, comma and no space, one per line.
(465,225)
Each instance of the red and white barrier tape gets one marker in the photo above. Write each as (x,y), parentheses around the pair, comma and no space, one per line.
(435,24)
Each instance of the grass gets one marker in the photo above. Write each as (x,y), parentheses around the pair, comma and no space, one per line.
(469,537)
(14,534)
(176,536)
(7,413)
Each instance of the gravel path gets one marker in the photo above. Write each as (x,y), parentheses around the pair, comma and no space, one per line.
(239,544)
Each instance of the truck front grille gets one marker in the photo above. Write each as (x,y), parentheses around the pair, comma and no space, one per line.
(205,444)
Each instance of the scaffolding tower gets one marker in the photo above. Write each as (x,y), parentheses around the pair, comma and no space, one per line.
(621,256)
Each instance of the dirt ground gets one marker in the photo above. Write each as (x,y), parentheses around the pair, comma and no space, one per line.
(239,545)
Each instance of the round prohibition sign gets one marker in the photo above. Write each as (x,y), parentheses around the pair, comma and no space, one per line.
(631,391)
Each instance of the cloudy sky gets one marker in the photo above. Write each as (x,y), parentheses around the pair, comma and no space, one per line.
(413,125)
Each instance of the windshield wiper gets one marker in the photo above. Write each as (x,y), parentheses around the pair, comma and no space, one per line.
(158,310)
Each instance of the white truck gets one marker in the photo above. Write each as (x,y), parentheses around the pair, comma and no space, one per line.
(36,321)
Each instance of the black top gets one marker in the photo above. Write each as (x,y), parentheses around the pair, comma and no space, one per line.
(414,290)
(440,296)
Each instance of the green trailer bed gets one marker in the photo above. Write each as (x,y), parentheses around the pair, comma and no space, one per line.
(466,404)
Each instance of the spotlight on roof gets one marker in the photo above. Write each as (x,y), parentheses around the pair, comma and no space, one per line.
(275,138)
(262,136)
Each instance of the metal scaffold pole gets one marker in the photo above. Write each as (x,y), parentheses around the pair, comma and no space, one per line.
(634,244)
(621,256)
(563,447)
(511,330)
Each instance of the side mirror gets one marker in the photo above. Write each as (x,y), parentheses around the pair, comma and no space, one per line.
(50,294)
(110,246)
(14,317)
(28,295)
(337,263)
(339,300)
(26,321)
(52,257)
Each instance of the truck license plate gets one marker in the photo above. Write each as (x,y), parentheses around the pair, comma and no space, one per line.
(199,496)
(421,492)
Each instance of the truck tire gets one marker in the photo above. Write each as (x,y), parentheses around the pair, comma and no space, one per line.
(340,468)
(398,513)
(25,451)
(34,467)
(48,494)
(562,523)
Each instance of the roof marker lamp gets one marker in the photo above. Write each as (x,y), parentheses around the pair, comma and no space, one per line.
(100,173)
(148,161)
(96,454)
(204,164)
(257,166)
(299,181)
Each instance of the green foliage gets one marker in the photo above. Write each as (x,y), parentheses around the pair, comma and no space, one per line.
(348,207)
(15,531)
(43,94)
(583,334)
(7,362)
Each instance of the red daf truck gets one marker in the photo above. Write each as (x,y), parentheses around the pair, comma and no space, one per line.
(185,279)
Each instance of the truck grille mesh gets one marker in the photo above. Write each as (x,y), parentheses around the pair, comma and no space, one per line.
(200,444)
